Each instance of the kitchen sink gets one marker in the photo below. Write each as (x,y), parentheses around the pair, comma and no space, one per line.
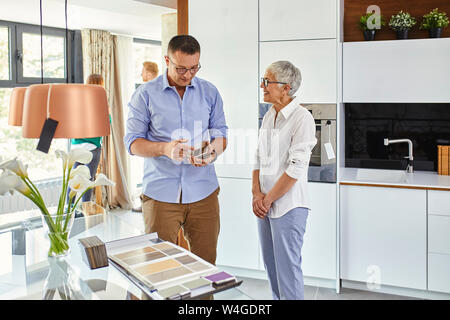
(378,175)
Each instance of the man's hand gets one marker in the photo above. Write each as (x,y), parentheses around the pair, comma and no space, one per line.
(209,156)
(176,150)
(258,207)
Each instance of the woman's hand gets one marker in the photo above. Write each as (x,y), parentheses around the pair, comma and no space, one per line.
(258,207)
(267,202)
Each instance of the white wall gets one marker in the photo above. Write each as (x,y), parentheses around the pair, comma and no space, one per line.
(228,36)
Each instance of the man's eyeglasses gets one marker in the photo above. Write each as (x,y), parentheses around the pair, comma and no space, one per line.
(181,70)
(266,82)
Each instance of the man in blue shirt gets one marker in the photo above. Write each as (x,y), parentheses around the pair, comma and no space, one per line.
(170,117)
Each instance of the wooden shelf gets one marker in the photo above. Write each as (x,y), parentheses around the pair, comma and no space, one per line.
(354,9)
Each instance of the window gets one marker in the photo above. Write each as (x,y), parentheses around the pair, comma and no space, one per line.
(4,53)
(145,50)
(20,65)
(53,49)
(40,166)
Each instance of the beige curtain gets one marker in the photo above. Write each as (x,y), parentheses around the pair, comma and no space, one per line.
(100,56)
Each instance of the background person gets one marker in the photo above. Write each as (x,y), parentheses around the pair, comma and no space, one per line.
(149,71)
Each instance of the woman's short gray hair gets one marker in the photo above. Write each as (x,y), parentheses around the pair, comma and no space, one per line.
(284,71)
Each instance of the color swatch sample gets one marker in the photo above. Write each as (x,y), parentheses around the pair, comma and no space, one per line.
(197,283)
(160,263)
(134,252)
(186,259)
(173,291)
(157,267)
(220,277)
(144,258)
(168,274)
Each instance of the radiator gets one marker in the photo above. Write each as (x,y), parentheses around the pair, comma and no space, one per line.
(50,191)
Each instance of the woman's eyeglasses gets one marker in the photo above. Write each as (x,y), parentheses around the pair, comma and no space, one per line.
(266,82)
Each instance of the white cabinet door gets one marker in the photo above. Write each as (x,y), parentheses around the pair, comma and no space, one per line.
(438,234)
(316,61)
(397,71)
(228,35)
(319,243)
(383,236)
(238,239)
(297,19)
(438,272)
(439,202)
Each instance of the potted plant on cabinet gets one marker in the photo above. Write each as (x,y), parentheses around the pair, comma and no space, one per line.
(368,24)
(434,22)
(401,23)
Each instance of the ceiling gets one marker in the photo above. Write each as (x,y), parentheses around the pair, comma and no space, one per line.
(137,18)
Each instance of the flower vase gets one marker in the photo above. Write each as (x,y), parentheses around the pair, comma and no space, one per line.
(62,280)
(435,32)
(402,34)
(369,35)
(58,228)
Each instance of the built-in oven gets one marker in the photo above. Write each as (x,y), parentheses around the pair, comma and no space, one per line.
(322,166)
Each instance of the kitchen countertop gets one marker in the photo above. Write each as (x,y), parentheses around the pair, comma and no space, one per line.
(394,178)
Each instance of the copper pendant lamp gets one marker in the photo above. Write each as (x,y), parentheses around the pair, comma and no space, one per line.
(16,106)
(81,110)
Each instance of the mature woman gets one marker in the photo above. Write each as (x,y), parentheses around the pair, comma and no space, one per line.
(280,200)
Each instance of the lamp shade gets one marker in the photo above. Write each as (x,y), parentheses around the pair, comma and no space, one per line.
(80,109)
(16,106)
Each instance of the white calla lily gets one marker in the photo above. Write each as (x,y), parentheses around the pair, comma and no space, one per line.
(102,180)
(15,166)
(81,170)
(10,181)
(63,155)
(79,155)
(72,194)
(79,184)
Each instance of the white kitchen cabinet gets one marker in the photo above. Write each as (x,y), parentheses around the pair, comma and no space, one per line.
(319,243)
(316,61)
(383,236)
(238,244)
(439,241)
(297,19)
(228,35)
(439,234)
(438,272)
(439,202)
(396,71)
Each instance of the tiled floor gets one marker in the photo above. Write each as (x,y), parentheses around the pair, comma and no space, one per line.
(260,290)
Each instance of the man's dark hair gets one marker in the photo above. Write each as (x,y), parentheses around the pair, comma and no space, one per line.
(184,43)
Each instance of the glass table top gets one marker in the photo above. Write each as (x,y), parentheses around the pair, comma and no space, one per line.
(27,273)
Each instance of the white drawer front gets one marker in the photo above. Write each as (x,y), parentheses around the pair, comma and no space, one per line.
(439,202)
(438,272)
(439,234)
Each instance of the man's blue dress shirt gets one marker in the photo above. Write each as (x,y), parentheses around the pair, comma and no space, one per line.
(157,113)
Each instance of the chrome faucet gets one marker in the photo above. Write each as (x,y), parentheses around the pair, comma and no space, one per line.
(409,167)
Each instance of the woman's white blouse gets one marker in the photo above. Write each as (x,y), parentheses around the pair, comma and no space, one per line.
(284,146)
